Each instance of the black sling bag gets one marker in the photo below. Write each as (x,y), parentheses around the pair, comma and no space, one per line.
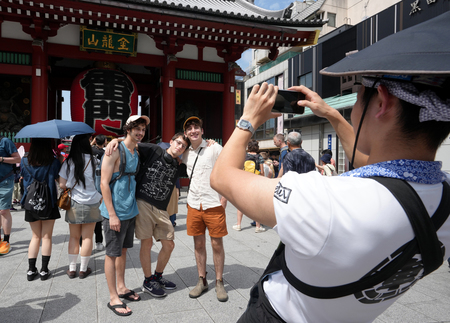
(425,242)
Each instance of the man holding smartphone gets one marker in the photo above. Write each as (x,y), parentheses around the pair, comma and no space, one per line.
(400,118)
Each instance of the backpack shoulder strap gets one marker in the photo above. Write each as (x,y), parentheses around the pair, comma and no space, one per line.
(122,163)
(27,169)
(424,230)
(417,217)
(138,166)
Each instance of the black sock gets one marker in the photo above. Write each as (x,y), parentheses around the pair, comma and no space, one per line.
(158,275)
(6,237)
(147,279)
(45,261)
(32,264)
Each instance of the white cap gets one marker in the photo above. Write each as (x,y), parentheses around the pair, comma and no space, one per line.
(136,117)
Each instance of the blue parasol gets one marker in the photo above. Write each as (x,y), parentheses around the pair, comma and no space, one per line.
(54,129)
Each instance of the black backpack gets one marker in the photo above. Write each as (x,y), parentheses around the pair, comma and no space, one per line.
(38,200)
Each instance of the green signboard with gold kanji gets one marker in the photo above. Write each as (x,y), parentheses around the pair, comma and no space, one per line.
(108,41)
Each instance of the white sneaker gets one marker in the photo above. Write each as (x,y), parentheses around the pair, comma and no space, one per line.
(260,229)
(99,246)
(237,227)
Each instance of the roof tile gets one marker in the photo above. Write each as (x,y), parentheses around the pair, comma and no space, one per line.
(238,9)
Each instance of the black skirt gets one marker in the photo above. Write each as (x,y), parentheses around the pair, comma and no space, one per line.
(53,216)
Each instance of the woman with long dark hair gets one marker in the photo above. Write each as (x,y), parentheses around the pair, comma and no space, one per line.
(41,165)
(77,173)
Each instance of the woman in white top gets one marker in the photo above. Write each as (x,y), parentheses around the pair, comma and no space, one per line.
(78,173)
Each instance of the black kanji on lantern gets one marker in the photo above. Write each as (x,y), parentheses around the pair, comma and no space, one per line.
(107,96)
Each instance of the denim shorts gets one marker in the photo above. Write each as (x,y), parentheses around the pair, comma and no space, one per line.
(116,241)
(83,213)
(6,192)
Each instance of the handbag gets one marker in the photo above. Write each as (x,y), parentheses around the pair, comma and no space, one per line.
(65,201)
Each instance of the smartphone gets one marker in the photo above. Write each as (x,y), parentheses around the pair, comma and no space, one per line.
(286,102)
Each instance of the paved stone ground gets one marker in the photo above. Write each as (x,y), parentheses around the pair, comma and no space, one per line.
(60,299)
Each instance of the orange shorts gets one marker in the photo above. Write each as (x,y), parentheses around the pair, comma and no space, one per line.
(214,219)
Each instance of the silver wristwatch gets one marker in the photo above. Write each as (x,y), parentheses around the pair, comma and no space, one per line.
(245,125)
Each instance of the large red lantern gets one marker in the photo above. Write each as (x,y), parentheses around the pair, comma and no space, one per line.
(104,99)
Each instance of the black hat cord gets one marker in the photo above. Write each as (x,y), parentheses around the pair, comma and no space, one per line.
(366,105)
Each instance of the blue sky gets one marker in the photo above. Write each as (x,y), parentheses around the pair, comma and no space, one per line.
(246,58)
(273,5)
(244,62)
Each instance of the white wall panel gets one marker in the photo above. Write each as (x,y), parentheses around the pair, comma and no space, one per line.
(14,30)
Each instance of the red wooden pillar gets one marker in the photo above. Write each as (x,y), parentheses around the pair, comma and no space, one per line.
(39,82)
(228,106)
(168,101)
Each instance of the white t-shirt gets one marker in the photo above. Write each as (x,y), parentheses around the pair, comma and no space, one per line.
(80,194)
(336,230)
(200,191)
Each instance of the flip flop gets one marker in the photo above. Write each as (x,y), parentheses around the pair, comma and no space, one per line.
(113,308)
(128,297)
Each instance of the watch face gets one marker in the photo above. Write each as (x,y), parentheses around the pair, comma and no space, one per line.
(244,123)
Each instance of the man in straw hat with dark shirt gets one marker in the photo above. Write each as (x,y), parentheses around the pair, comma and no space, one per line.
(350,247)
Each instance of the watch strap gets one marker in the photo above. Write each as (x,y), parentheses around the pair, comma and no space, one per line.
(249,127)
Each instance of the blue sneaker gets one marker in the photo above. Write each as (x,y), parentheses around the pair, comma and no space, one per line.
(164,283)
(153,288)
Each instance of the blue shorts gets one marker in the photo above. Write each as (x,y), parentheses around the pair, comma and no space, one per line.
(6,192)
(116,241)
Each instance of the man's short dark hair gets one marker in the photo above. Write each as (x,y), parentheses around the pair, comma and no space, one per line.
(279,136)
(100,139)
(327,151)
(134,124)
(181,134)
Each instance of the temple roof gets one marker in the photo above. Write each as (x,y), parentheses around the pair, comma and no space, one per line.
(235,9)
(310,10)
(231,26)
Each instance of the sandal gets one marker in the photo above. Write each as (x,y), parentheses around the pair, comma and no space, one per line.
(128,297)
(113,308)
